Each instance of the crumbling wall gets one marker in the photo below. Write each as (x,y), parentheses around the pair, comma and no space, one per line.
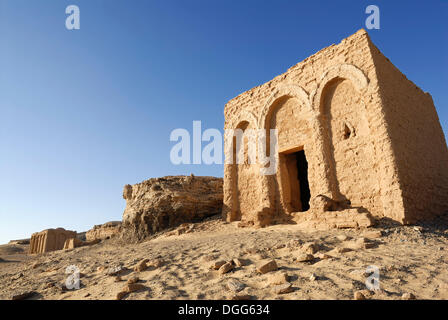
(104,231)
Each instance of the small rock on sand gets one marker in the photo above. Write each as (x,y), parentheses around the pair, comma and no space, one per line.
(217,264)
(267,266)
(238,262)
(278,278)
(310,247)
(283,288)
(120,295)
(304,257)
(23,295)
(133,287)
(133,280)
(234,285)
(141,266)
(342,237)
(372,234)
(359,296)
(408,296)
(156,263)
(228,266)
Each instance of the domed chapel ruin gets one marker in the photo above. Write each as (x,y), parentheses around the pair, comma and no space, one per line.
(356,140)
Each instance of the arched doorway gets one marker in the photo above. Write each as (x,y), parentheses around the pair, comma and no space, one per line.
(292,191)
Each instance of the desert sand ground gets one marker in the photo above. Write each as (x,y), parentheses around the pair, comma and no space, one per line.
(410,259)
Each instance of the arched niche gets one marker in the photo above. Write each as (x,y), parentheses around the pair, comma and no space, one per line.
(348,146)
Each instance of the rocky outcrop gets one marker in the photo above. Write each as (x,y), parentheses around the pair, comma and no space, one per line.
(20,241)
(104,231)
(160,203)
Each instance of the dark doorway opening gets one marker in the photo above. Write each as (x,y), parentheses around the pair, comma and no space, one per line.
(302,170)
(296,188)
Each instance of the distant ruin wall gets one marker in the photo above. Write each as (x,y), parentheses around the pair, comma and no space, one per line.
(49,240)
(104,231)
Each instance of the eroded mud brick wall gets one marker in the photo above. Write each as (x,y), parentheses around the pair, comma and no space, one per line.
(330,106)
(418,142)
(49,240)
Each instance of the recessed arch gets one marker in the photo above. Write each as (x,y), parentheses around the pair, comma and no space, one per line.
(243,116)
(342,71)
(282,91)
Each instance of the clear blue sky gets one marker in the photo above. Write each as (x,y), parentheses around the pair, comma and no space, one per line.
(82,113)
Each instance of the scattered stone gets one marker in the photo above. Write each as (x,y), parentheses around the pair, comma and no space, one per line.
(342,237)
(359,296)
(324,203)
(141,266)
(323,256)
(373,234)
(267,266)
(283,288)
(87,295)
(36,265)
(362,243)
(114,271)
(310,247)
(313,277)
(217,264)
(228,266)
(408,296)
(134,279)
(23,295)
(133,287)
(234,285)
(418,229)
(121,295)
(238,263)
(341,250)
(304,257)
(118,279)
(278,278)
(156,263)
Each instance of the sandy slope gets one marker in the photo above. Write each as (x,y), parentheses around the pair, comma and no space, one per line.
(410,261)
